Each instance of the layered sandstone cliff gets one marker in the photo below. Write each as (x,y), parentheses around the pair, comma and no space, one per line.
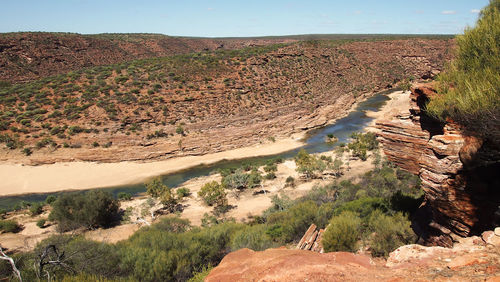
(457,171)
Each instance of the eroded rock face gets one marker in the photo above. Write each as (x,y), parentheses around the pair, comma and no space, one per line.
(461,189)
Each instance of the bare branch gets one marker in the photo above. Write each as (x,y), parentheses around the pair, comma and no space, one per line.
(12,263)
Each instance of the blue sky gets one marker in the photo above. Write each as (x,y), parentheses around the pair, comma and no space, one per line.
(219,18)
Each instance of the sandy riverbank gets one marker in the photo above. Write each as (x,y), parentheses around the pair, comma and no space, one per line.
(21,179)
(399,103)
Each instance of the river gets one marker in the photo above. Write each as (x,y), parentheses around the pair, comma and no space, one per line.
(355,121)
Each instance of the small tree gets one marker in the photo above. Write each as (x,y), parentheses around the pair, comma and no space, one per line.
(213,193)
(309,164)
(155,187)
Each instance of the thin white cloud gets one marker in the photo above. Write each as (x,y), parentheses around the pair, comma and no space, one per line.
(210,9)
(475,11)
(449,12)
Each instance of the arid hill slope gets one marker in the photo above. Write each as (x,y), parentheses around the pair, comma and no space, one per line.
(204,102)
(27,56)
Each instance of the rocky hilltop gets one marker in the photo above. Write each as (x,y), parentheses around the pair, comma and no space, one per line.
(205,102)
(471,259)
(459,172)
(31,55)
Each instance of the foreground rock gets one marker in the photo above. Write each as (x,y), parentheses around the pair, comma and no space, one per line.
(459,172)
(472,259)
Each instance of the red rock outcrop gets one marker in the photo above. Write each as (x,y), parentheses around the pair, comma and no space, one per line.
(471,259)
(461,192)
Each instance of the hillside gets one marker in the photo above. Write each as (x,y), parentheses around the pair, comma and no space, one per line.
(203,102)
(27,56)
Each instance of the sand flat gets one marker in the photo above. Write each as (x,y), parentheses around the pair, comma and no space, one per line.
(23,179)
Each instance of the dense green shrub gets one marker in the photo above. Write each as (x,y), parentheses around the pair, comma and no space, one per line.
(9,226)
(389,232)
(470,85)
(36,208)
(124,196)
(213,193)
(253,237)
(155,255)
(92,209)
(155,187)
(182,192)
(343,233)
(41,223)
(50,199)
(362,142)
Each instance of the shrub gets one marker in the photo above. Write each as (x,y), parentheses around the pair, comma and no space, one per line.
(309,164)
(50,199)
(343,233)
(213,193)
(9,226)
(290,181)
(92,209)
(182,192)
(27,151)
(179,130)
(168,200)
(36,209)
(155,187)
(253,237)
(237,180)
(172,224)
(41,223)
(270,176)
(389,232)
(124,196)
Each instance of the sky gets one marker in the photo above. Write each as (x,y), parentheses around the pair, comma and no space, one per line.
(235,18)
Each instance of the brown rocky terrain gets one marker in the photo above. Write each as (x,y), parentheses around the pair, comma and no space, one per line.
(472,259)
(206,102)
(28,56)
(459,173)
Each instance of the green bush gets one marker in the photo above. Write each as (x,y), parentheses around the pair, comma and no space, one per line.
(470,85)
(9,226)
(155,187)
(389,232)
(252,237)
(213,193)
(92,209)
(41,223)
(182,192)
(172,224)
(124,196)
(36,209)
(50,199)
(343,233)
(308,164)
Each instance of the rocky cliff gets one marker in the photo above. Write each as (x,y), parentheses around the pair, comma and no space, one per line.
(219,100)
(459,172)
